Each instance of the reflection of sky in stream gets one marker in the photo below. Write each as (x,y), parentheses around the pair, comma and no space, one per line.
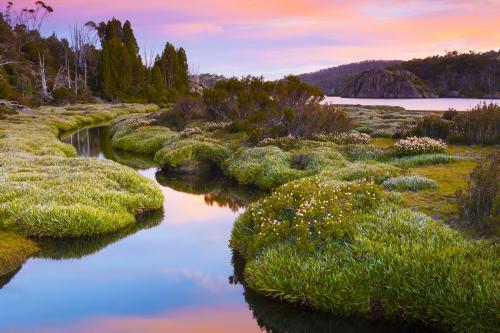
(182,263)
(176,274)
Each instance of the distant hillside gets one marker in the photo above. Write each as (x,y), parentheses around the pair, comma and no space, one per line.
(330,80)
(382,83)
(459,74)
(454,74)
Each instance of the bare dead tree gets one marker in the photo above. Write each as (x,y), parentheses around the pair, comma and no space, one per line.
(26,22)
(148,57)
(43,78)
(83,39)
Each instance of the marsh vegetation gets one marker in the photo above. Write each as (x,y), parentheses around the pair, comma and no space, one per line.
(358,213)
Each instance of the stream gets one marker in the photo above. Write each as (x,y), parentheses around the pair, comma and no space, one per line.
(173,271)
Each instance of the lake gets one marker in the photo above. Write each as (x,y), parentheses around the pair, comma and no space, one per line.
(427,104)
(173,271)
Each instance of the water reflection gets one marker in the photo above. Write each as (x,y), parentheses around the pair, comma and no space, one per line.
(59,249)
(214,186)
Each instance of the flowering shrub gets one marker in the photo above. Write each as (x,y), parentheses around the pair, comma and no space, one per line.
(351,137)
(215,125)
(306,213)
(415,145)
(409,183)
(405,130)
(189,131)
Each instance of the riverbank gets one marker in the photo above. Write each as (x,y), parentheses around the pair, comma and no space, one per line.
(46,191)
(336,220)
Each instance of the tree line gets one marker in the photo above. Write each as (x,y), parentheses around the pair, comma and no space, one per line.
(98,60)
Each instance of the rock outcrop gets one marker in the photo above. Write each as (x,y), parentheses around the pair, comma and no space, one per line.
(386,84)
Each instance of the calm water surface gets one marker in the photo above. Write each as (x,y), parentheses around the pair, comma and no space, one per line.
(172,272)
(428,104)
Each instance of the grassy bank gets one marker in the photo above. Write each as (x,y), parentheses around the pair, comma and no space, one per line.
(45,191)
(349,249)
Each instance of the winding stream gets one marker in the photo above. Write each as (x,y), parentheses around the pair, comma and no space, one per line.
(171,272)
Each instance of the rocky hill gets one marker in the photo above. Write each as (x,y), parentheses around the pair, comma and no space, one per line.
(331,80)
(381,83)
(456,74)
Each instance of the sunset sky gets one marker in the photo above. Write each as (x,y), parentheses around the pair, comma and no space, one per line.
(278,37)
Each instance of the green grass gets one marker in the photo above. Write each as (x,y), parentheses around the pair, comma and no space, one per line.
(144,140)
(182,151)
(350,250)
(14,250)
(45,191)
(423,160)
(409,183)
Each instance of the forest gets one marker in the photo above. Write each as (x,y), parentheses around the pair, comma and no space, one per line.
(100,60)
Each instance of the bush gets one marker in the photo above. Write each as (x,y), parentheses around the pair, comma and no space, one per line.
(349,250)
(63,96)
(433,127)
(415,145)
(312,119)
(481,200)
(381,133)
(352,137)
(284,142)
(409,183)
(450,114)
(405,130)
(480,125)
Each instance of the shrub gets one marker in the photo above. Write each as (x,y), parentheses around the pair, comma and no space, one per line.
(352,137)
(479,125)
(415,145)
(423,160)
(62,96)
(284,142)
(481,200)
(450,114)
(312,119)
(405,130)
(349,250)
(409,183)
(190,131)
(433,127)
(217,125)
(381,133)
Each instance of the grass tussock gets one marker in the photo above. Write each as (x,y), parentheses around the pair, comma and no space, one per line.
(189,150)
(424,160)
(409,183)
(349,250)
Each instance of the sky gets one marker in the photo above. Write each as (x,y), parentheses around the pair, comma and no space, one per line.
(278,37)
